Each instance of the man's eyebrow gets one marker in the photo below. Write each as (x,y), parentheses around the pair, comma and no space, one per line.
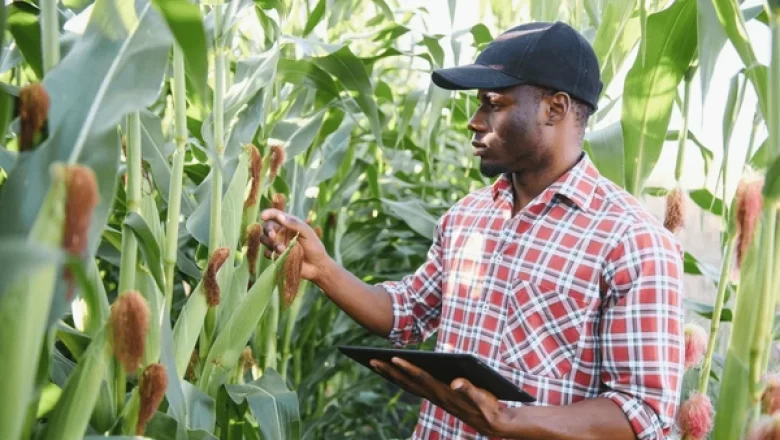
(488,95)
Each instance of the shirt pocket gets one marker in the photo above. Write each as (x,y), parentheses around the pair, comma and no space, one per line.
(542,330)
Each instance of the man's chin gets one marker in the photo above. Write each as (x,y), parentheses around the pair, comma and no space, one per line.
(490,170)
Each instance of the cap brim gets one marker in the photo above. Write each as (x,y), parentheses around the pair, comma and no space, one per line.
(472,76)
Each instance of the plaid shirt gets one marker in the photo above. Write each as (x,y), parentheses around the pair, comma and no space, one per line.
(523,293)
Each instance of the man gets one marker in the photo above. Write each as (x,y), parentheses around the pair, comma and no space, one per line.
(552,275)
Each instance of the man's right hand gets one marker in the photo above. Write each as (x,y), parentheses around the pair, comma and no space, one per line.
(315,256)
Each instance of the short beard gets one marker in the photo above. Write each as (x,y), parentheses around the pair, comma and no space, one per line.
(491,170)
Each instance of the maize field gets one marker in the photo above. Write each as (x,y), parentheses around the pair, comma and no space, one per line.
(140,140)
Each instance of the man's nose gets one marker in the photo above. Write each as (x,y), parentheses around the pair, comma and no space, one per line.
(477,124)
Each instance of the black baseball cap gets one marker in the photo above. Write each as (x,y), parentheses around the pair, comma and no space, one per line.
(545,54)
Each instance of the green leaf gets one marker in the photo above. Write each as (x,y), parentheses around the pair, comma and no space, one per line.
(413,214)
(297,133)
(650,88)
(232,208)
(234,294)
(350,71)
(26,30)
(91,90)
(24,308)
(605,148)
(733,22)
(307,74)
(202,411)
(230,342)
(731,112)
(186,24)
(155,152)
(245,128)
(70,416)
(615,17)
(707,201)
(50,394)
(435,50)
(146,284)
(7,158)
(707,310)
(613,65)
(20,258)
(382,5)
(177,406)
(481,35)
(771,189)
(272,404)
(252,74)
(314,18)
(711,39)
(150,249)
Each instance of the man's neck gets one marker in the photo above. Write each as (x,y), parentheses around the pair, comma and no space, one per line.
(529,184)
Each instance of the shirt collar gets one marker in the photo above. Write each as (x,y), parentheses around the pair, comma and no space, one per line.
(578,185)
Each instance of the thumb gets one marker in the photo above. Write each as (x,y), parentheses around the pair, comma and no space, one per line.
(475,394)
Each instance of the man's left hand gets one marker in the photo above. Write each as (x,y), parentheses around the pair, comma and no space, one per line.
(474,406)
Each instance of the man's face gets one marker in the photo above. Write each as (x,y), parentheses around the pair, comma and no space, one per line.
(507,130)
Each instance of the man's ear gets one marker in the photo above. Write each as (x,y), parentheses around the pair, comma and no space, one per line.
(559,106)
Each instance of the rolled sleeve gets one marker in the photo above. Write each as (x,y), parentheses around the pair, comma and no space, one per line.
(416,298)
(642,330)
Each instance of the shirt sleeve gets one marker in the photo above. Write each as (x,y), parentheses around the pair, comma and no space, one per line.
(642,338)
(416,298)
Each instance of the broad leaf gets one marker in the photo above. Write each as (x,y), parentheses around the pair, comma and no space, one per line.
(24,26)
(297,133)
(186,24)
(413,214)
(707,310)
(149,247)
(771,189)
(711,39)
(349,71)
(88,101)
(650,88)
(177,406)
(315,17)
(252,75)
(231,340)
(21,258)
(733,22)
(707,201)
(615,17)
(272,404)
(605,148)
(155,152)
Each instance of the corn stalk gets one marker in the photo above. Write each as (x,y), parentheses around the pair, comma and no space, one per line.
(746,359)
(177,171)
(129,256)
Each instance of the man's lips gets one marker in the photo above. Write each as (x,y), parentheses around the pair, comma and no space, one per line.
(479,148)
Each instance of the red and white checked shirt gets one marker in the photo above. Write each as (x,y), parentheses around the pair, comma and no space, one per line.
(523,294)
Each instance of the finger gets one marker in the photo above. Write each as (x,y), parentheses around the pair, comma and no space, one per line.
(418,374)
(401,379)
(280,217)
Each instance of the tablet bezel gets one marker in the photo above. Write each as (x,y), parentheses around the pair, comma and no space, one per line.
(455,365)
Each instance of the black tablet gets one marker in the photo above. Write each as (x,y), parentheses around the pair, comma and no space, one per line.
(445,367)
